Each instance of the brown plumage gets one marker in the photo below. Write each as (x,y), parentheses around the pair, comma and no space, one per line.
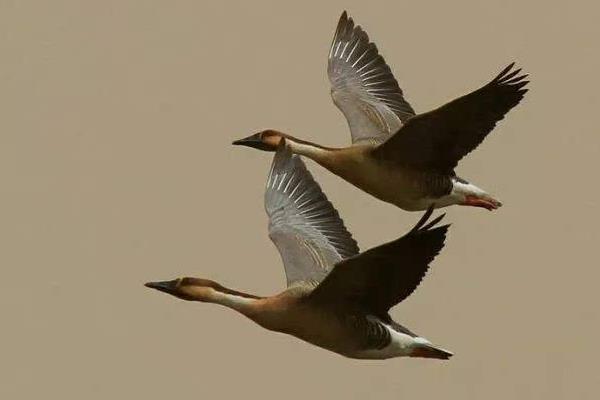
(438,139)
(336,298)
(397,156)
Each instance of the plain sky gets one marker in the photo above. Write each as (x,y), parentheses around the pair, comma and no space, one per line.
(116,168)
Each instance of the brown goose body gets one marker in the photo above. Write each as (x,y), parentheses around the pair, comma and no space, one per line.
(344,330)
(336,298)
(352,333)
(400,157)
(292,312)
(408,188)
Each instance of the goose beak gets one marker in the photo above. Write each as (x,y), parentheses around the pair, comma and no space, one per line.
(239,142)
(250,141)
(165,286)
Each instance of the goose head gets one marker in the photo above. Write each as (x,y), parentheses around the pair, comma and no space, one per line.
(191,289)
(266,140)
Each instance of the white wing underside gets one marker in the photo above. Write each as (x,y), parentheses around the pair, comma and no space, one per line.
(303,225)
(363,86)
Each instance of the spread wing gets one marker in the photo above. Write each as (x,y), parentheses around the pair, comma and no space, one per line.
(303,225)
(363,86)
(379,278)
(438,139)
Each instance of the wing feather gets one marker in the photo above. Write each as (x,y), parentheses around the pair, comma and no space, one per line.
(363,86)
(438,139)
(303,224)
(379,278)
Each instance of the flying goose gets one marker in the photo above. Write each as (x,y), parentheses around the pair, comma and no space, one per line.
(336,298)
(397,156)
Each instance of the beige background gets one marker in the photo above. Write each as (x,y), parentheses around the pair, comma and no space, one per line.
(116,168)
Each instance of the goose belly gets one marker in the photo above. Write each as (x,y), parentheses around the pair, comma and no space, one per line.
(319,327)
(409,190)
(348,335)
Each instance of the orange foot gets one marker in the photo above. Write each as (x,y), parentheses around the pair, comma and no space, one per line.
(489,204)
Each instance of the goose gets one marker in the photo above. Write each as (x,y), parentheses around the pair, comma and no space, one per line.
(396,156)
(335,298)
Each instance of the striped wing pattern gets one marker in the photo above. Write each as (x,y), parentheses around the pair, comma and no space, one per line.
(363,86)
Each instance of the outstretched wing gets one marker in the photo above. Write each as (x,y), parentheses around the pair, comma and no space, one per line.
(381,277)
(438,139)
(363,86)
(303,225)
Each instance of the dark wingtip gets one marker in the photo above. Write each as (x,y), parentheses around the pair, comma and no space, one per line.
(502,73)
(511,78)
(424,225)
(342,22)
(423,219)
(434,222)
(519,85)
(508,76)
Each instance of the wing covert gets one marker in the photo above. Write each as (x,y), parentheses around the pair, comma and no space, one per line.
(363,86)
(438,139)
(381,277)
(303,224)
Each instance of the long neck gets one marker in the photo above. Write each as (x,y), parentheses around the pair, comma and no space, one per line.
(343,162)
(313,151)
(243,303)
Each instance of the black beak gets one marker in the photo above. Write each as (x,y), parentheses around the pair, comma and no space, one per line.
(165,286)
(250,141)
(254,141)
